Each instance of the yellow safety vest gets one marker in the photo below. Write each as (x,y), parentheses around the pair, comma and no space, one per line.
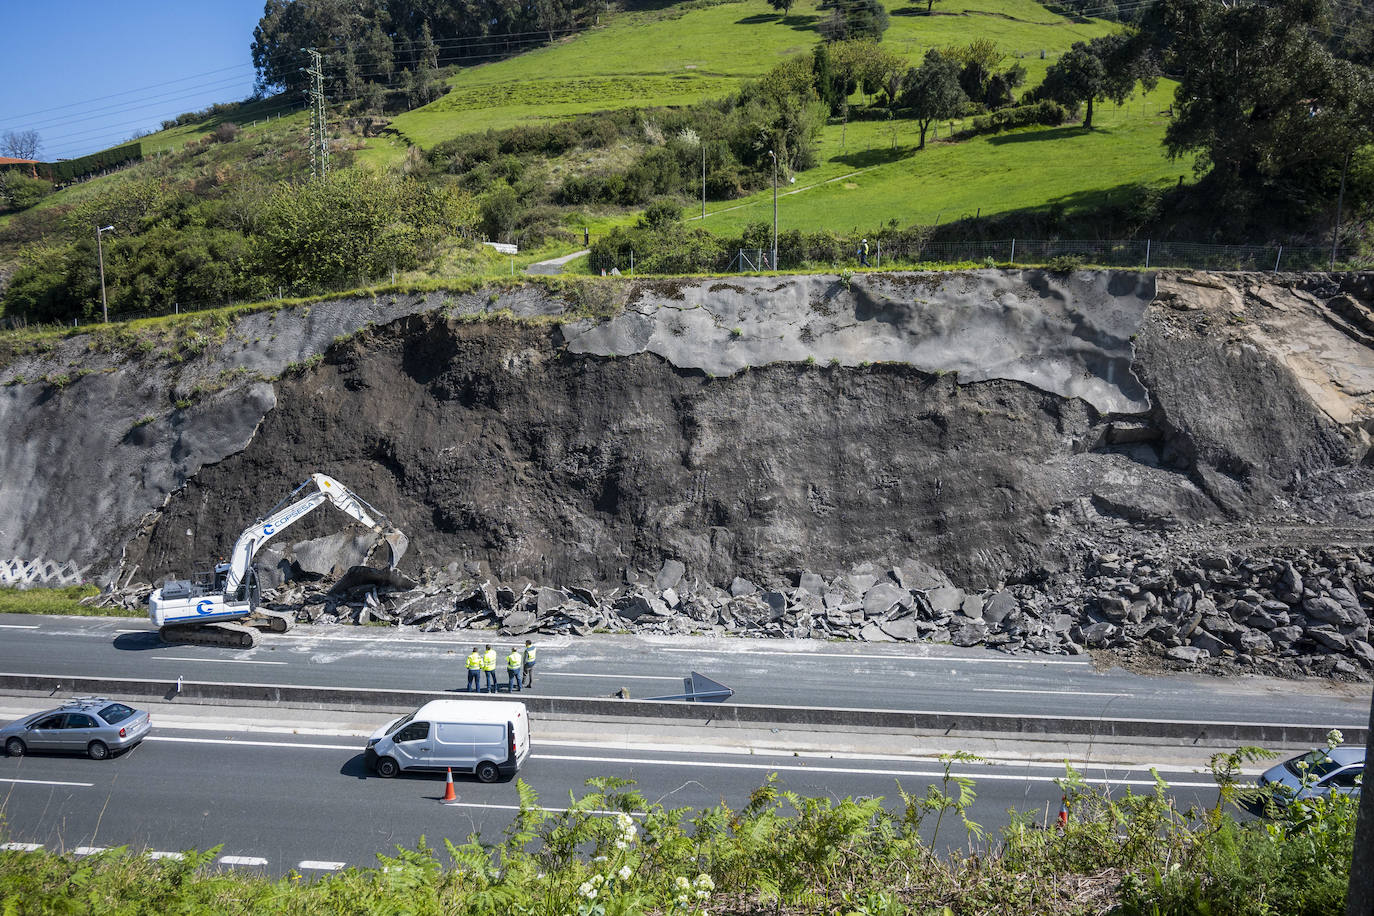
(513,661)
(489,660)
(529,655)
(475,661)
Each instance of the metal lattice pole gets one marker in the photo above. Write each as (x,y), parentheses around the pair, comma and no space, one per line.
(319,138)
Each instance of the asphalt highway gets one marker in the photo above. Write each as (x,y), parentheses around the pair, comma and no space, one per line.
(275,801)
(793,673)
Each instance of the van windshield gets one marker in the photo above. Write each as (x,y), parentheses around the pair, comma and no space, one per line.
(400,723)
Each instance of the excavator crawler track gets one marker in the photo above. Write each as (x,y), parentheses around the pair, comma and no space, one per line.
(227,635)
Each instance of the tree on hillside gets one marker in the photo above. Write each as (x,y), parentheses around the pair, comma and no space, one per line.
(1106,68)
(22,144)
(785,6)
(932,91)
(1269,110)
(853,19)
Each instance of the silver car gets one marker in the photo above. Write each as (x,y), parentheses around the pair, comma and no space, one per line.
(90,725)
(1321,771)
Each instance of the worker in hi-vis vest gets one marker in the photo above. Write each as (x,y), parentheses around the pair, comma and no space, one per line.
(489,668)
(529,664)
(513,662)
(474,671)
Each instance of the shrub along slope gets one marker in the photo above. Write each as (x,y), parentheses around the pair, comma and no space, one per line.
(780,853)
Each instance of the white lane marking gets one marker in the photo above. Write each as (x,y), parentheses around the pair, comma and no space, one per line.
(951,660)
(155,854)
(21,847)
(623,677)
(88,850)
(49,782)
(236,742)
(1071,693)
(227,661)
(489,807)
(17,626)
(241,860)
(313,865)
(855,771)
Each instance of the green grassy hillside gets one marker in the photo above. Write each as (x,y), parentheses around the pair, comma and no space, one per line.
(863,181)
(697,50)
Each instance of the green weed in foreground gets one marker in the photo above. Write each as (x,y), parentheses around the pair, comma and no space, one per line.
(64,600)
(780,853)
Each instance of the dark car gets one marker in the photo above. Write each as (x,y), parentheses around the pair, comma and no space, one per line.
(88,725)
(1322,771)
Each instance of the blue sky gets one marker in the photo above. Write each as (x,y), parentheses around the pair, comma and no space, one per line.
(86,75)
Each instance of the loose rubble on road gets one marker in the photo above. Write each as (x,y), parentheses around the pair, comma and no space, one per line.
(1299,615)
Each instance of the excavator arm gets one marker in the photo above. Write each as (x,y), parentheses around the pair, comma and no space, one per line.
(326,489)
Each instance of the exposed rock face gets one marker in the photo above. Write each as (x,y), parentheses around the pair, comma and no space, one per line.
(975,434)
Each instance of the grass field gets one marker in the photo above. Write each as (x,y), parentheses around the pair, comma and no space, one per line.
(866,182)
(66,600)
(681,55)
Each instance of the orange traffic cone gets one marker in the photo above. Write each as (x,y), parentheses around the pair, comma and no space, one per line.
(449,795)
(1063,812)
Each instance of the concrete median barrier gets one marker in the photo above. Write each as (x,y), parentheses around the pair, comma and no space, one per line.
(816,718)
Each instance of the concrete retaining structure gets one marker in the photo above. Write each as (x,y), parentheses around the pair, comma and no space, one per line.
(1220,734)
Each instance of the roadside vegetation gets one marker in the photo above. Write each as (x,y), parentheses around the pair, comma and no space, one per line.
(614,852)
(63,600)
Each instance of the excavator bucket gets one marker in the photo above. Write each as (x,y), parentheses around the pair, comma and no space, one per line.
(397,543)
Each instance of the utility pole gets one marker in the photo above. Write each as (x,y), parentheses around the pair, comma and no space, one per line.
(775,208)
(703,179)
(100,253)
(1359,898)
(319,139)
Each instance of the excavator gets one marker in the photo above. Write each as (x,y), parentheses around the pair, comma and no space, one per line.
(220,608)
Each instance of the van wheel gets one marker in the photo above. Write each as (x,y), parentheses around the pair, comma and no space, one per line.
(487,772)
(387,768)
(98,750)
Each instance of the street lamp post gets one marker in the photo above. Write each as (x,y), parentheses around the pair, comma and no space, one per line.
(100,251)
(775,208)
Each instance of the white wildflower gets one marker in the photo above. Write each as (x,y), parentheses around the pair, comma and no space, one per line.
(704,881)
(683,883)
(597,880)
(624,873)
(621,844)
(586,889)
(1334,737)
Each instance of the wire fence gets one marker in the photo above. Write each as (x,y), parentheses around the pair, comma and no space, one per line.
(1127,253)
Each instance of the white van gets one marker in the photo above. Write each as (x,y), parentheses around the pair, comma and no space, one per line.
(488,738)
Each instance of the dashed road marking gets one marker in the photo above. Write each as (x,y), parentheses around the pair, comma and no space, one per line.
(88,850)
(49,782)
(225,661)
(620,677)
(18,626)
(242,860)
(854,771)
(20,847)
(1072,693)
(313,865)
(157,854)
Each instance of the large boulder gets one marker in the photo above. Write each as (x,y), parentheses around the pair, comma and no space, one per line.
(883,597)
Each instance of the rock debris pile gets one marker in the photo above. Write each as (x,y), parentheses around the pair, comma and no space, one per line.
(1302,614)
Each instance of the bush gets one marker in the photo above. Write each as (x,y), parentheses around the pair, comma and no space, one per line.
(19,191)
(1043,112)
(225,132)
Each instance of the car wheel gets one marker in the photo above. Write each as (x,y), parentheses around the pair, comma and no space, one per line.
(15,748)
(98,750)
(487,772)
(387,768)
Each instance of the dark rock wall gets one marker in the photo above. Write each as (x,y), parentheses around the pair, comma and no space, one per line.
(489,443)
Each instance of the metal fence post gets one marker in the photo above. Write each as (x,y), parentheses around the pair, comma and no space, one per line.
(632,263)
(1147,254)
(1277,259)
(1012,259)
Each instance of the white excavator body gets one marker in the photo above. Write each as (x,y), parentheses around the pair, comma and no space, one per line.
(206,610)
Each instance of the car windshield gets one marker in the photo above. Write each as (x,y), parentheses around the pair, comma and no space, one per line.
(400,723)
(116,713)
(1315,763)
